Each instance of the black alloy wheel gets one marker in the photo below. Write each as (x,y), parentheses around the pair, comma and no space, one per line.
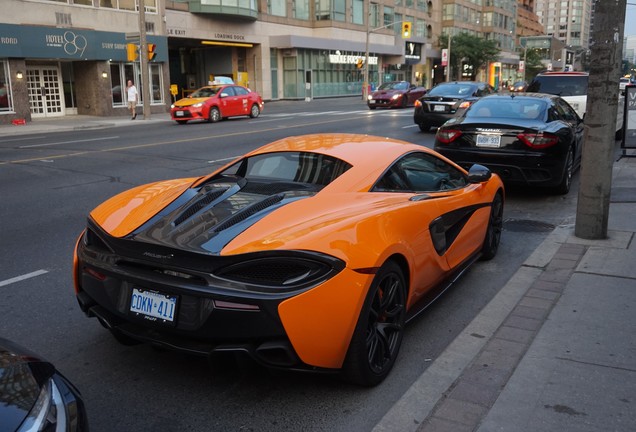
(378,335)
(564,187)
(495,226)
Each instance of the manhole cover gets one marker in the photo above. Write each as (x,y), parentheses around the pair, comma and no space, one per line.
(525,225)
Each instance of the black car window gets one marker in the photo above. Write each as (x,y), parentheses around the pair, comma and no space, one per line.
(513,108)
(564,110)
(241,91)
(560,85)
(453,89)
(229,91)
(420,172)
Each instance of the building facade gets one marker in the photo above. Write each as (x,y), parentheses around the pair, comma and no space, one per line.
(567,20)
(69,57)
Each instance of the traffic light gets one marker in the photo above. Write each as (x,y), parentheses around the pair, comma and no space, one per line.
(406,29)
(359,63)
(132,52)
(152,51)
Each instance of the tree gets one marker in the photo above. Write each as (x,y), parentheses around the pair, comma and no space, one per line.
(472,50)
(533,63)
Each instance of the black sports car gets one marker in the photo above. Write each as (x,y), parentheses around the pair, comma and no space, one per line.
(446,101)
(526,138)
(35,396)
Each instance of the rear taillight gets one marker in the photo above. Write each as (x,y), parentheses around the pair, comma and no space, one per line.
(539,140)
(447,136)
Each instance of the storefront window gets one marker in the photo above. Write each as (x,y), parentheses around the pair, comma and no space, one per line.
(68,85)
(120,73)
(5,88)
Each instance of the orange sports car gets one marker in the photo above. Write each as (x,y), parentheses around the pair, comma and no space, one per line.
(216,102)
(309,253)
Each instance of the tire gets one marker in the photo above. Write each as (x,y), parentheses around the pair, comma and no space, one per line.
(564,187)
(255,111)
(424,127)
(493,232)
(378,334)
(181,122)
(405,102)
(372,107)
(214,115)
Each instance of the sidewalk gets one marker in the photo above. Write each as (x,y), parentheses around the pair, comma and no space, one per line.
(554,351)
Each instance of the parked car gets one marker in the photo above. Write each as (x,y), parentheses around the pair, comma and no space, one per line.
(310,253)
(35,396)
(446,101)
(526,138)
(216,102)
(395,94)
(572,87)
(518,86)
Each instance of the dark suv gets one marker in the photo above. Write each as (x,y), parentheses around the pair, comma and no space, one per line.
(447,100)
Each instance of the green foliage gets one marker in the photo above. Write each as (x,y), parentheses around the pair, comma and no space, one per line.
(533,63)
(473,50)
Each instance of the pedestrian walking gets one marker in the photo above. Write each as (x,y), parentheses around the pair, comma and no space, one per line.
(133,96)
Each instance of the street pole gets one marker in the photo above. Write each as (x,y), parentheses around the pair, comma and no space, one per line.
(143,60)
(525,60)
(597,161)
(448,64)
(365,79)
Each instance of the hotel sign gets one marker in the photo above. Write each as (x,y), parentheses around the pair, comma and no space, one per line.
(31,42)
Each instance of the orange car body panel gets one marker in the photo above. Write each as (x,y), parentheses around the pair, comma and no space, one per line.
(123,213)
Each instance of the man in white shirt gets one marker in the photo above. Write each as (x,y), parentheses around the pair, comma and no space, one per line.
(133,96)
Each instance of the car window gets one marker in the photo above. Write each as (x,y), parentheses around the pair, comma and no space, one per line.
(205,92)
(229,91)
(514,108)
(561,85)
(420,172)
(241,91)
(300,167)
(453,89)
(565,110)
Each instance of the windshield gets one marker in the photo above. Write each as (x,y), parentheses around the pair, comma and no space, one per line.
(205,92)
(394,86)
(562,85)
(511,108)
(454,89)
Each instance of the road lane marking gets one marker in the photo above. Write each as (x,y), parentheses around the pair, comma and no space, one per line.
(23,277)
(69,142)
(180,141)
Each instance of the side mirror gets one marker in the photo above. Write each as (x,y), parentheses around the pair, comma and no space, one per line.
(478,174)
(223,95)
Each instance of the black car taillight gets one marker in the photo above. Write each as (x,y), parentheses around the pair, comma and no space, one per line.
(538,140)
(447,136)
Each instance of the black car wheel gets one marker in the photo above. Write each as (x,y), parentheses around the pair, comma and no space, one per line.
(215,115)
(493,232)
(255,111)
(424,127)
(181,122)
(378,334)
(371,107)
(564,187)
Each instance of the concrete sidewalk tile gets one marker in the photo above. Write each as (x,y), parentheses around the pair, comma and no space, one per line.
(468,391)
(497,359)
(612,262)
(443,425)
(524,323)
(542,285)
(556,275)
(535,302)
(615,240)
(484,374)
(462,412)
(515,334)
(542,294)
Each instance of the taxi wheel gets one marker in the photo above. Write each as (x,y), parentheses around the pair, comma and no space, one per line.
(378,334)
(215,115)
(255,111)
(181,121)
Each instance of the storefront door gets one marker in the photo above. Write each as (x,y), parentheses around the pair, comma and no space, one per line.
(46,98)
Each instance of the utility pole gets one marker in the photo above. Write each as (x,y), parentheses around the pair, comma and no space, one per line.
(448,64)
(600,120)
(143,60)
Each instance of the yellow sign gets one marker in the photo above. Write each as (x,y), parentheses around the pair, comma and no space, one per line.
(174,89)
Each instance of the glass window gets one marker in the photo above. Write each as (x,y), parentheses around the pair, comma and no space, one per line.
(6,103)
(420,172)
(277,7)
(120,73)
(339,10)
(388,16)
(301,9)
(357,12)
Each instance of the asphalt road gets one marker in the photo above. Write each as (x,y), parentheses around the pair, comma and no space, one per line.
(54,180)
